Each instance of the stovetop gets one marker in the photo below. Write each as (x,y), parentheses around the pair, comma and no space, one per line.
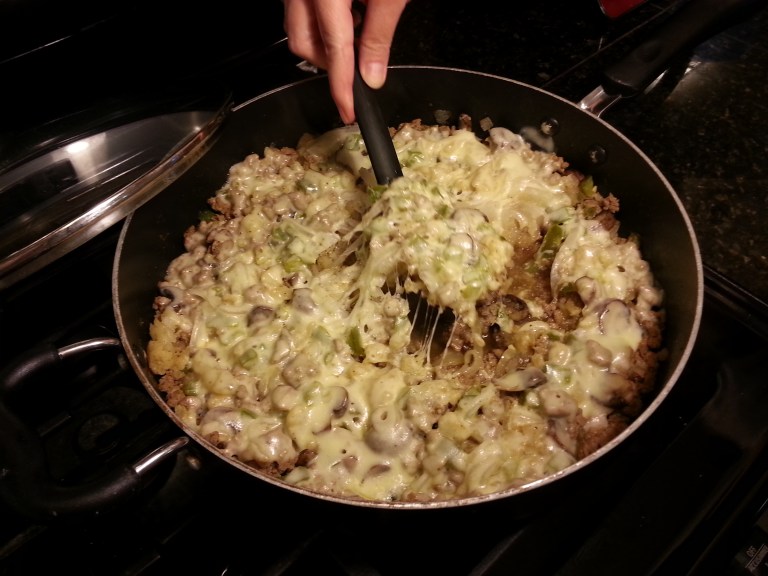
(686,494)
(683,495)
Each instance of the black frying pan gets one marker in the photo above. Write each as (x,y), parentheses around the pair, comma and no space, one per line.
(152,236)
(649,205)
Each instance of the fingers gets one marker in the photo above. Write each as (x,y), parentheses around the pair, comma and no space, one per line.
(301,28)
(322,32)
(381,18)
(335,22)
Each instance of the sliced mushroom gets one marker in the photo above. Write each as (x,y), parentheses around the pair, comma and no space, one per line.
(300,369)
(616,391)
(179,298)
(302,300)
(586,287)
(283,347)
(614,317)
(306,457)
(325,405)
(339,400)
(349,463)
(470,218)
(389,432)
(598,354)
(521,380)
(275,446)
(260,315)
(565,433)
(376,470)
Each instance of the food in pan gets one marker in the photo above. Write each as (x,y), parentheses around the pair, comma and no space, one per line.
(476,326)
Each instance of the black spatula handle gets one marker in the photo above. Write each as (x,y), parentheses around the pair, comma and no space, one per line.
(375,131)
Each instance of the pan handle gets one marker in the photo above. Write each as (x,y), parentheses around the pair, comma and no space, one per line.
(689,25)
(25,482)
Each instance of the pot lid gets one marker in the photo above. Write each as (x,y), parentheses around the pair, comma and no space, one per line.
(67,191)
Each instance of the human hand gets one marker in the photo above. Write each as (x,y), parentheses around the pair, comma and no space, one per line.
(323,33)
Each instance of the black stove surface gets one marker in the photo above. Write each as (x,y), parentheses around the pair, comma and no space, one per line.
(685,494)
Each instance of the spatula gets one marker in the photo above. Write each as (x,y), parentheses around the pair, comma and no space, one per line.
(378,142)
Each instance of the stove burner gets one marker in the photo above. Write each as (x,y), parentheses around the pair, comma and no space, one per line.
(111,421)
(97,435)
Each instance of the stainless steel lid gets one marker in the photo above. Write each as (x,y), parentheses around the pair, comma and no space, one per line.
(61,197)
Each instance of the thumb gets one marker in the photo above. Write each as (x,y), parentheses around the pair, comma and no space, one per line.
(381,18)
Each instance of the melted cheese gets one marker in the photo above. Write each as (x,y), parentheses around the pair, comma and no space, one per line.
(288,326)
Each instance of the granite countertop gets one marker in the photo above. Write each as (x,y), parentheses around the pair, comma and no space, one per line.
(703,125)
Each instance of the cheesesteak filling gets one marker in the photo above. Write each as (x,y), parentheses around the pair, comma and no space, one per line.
(475,326)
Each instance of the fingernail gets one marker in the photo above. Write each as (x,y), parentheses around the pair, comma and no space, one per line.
(374,74)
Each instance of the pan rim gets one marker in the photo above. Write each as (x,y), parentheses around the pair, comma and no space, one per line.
(573,469)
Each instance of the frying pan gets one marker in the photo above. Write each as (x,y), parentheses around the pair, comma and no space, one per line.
(152,235)
(649,206)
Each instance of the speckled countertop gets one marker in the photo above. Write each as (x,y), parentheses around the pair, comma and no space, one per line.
(704,125)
